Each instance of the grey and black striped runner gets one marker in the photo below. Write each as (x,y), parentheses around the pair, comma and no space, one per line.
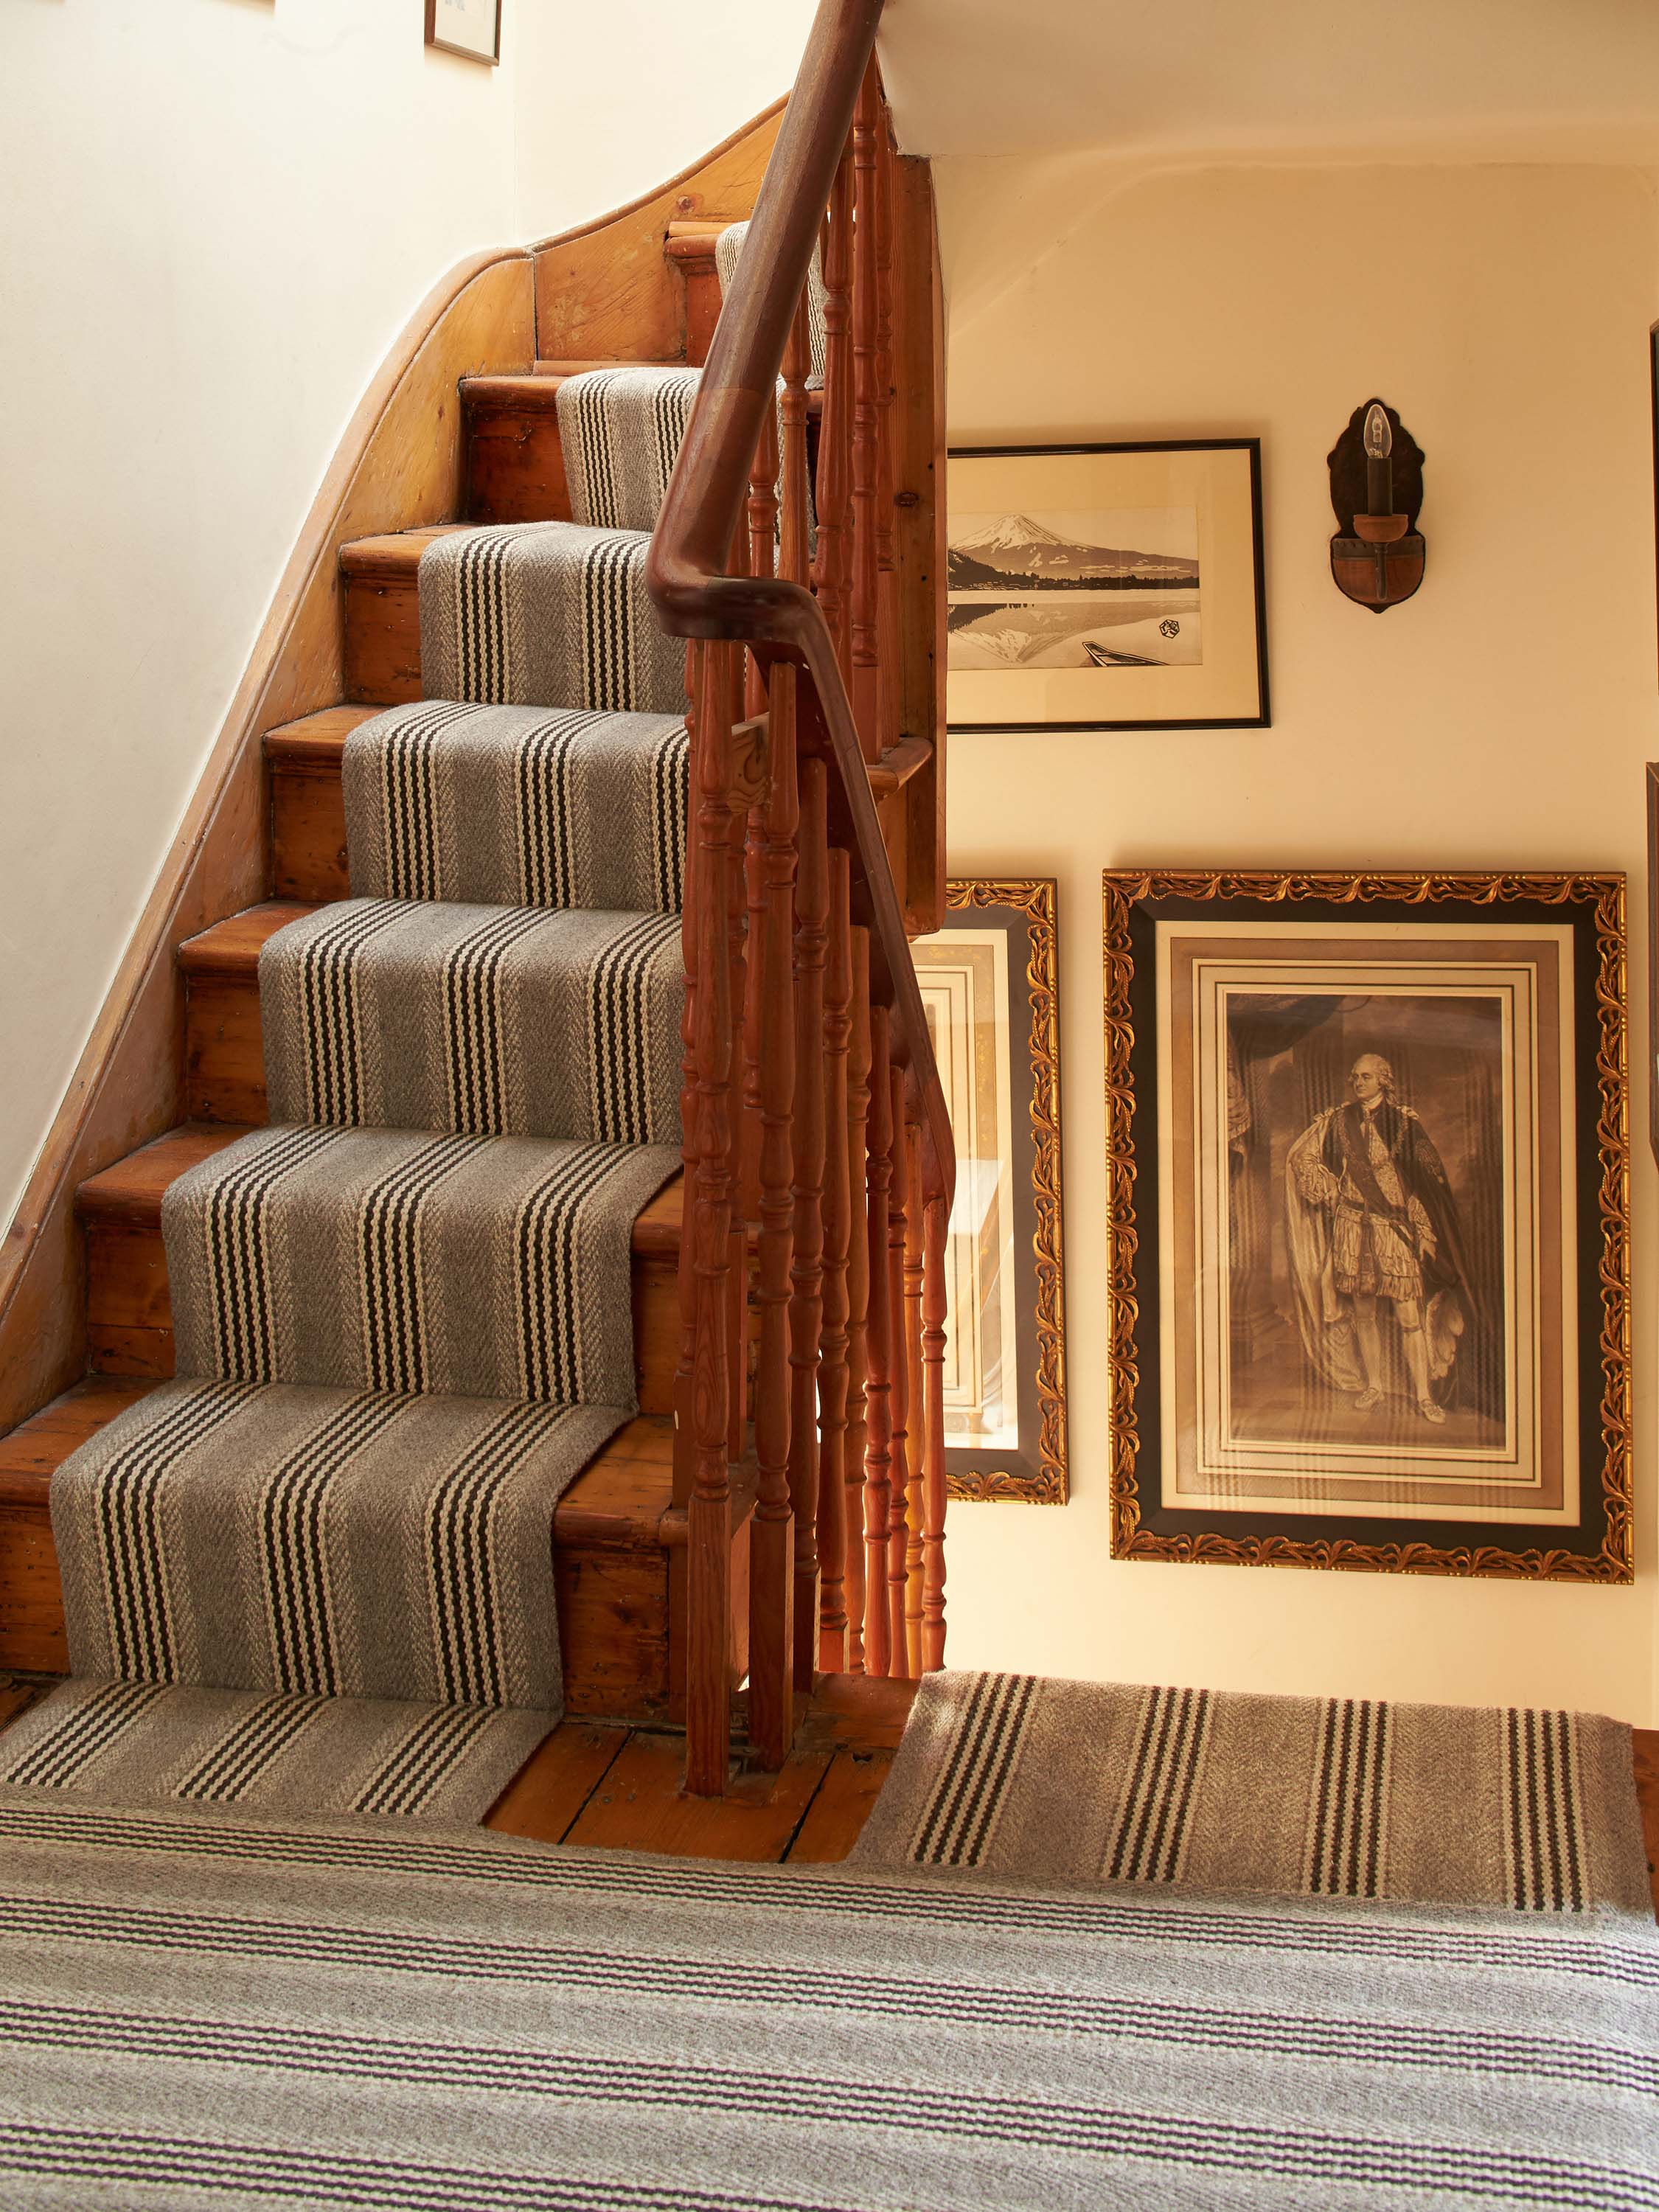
(324,1542)
(546,614)
(1216,1791)
(518,806)
(136,1743)
(203,2004)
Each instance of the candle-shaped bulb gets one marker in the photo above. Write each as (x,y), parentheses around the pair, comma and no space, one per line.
(1379,468)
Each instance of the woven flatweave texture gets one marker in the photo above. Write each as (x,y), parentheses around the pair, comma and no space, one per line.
(548,614)
(728,251)
(203,2007)
(1213,1790)
(155,1742)
(485,1020)
(388,1260)
(333,1542)
(518,806)
(620,432)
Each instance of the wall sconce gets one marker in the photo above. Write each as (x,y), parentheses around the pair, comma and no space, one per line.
(1376,489)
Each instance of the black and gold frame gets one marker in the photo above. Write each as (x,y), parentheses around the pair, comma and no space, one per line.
(1368,1190)
(990,982)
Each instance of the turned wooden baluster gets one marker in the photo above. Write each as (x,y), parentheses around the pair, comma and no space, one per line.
(916,1448)
(772,1549)
(866,686)
(833,567)
(898,1376)
(702,1387)
(832,1365)
(806,1270)
(879,1364)
(760,518)
(886,561)
(934,1227)
(744,1134)
(858,1290)
(795,536)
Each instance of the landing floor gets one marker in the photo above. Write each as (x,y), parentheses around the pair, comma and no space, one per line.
(617,1789)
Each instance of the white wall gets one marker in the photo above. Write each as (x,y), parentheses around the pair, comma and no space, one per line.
(616,98)
(220,214)
(1501,718)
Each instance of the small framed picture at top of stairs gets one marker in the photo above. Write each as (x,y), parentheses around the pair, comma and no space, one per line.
(472,27)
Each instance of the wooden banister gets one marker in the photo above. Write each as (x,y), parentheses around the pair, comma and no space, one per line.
(816,1130)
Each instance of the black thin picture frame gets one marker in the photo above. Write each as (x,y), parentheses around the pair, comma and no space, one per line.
(1262,719)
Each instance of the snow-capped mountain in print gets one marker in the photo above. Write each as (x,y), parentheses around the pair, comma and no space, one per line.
(1016,551)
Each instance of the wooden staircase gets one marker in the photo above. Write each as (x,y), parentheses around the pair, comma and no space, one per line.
(656,1617)
(618,1541)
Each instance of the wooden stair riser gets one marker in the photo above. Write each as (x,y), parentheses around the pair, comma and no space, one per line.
(307,834)
(514,457)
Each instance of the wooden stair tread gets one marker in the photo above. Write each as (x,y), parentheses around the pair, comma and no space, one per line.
(316,739)
(617,1503)
(530,394)
(395,556)
(130,1193)
(231,947)
(317,746)
(601,361)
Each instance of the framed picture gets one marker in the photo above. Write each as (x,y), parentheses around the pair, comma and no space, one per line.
(989,982)
(1369,1195)
(472,27)
(1107,588)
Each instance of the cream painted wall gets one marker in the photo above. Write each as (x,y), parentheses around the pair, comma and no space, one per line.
(1502,718)
(220,214)
(616,98)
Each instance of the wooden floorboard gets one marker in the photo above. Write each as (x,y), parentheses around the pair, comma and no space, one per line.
(544,1798)
(844,1803)
(639,1806)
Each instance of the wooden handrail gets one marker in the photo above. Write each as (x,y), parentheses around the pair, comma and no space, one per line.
(686,570)
(819,1163)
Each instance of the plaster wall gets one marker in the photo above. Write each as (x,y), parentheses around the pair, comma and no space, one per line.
(1501,718)
(220,214)
(614,100)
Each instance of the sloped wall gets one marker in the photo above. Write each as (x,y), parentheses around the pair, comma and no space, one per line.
(1502,718)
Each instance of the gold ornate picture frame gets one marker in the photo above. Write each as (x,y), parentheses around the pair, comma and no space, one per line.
(1368,1221)
(989,981)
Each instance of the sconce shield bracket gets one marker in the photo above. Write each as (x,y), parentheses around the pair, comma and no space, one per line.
(1374,570)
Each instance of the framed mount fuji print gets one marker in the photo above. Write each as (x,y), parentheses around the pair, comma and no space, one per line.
(1368,1191)
(989,985)
(1106,588)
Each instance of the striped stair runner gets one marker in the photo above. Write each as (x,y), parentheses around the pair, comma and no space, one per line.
(315,1574)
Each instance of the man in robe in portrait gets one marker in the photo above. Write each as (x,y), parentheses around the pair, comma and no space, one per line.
(1371,1222)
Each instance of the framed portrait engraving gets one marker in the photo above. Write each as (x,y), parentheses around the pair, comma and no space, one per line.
(1106,588)
(1368,1169)
(989,984)
(472,28)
